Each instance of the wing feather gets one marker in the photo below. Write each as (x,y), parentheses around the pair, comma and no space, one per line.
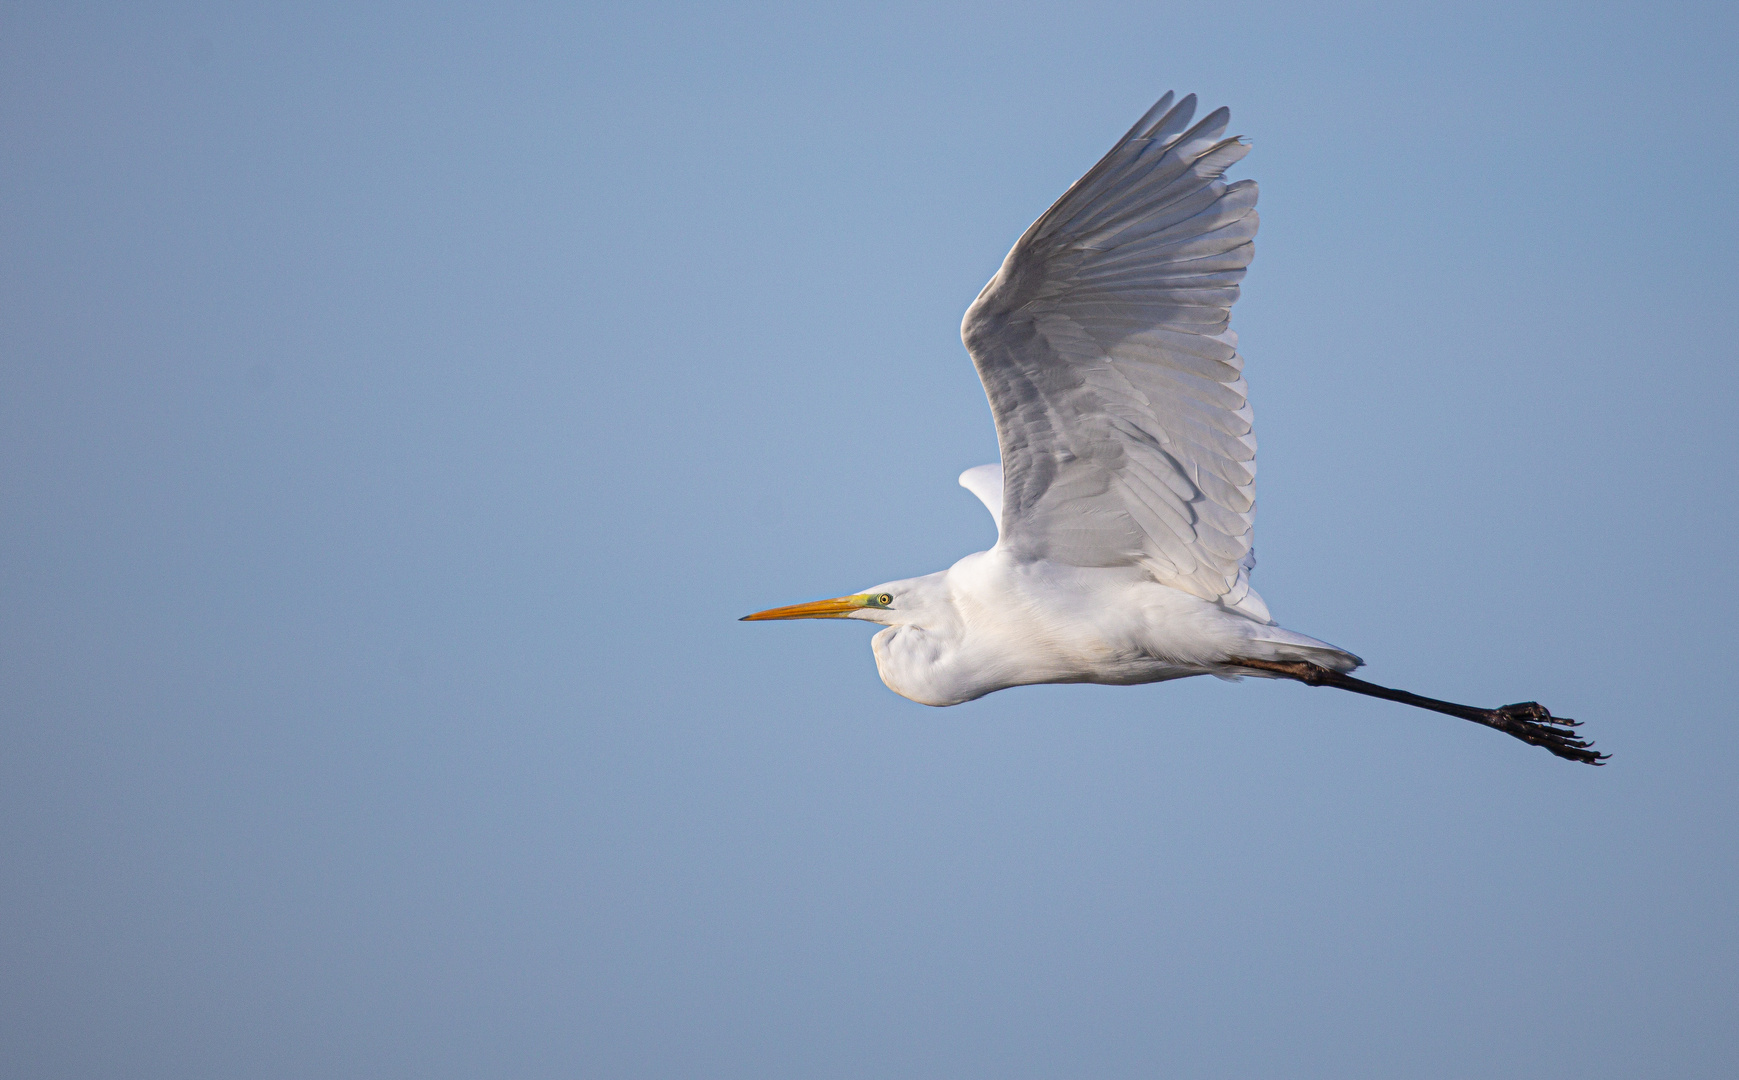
(1104,346)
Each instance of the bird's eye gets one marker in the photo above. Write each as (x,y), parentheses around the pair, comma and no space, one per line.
(885,599)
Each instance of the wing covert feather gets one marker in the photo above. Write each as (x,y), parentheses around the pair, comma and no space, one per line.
(1104,346)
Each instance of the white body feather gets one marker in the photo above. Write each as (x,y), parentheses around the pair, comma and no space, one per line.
(993,620)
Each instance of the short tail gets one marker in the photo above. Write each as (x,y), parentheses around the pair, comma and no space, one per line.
(1275,643)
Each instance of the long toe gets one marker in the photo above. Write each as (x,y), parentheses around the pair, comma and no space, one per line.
(1530,722)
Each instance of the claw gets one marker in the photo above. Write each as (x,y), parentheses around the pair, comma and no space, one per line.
(1532,724)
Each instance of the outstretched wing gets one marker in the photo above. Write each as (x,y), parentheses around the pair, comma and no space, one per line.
(1116,386)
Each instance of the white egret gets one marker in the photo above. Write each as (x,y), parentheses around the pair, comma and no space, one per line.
(1125,496)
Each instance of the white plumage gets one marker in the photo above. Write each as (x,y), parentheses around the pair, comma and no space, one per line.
(1104,347)
(1126,493)
(1125,498)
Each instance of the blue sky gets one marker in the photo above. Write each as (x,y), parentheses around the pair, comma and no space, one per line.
(398,404)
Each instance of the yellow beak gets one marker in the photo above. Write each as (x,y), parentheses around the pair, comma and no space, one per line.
(837,608)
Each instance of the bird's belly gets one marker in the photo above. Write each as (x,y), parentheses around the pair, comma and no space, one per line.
(934,671)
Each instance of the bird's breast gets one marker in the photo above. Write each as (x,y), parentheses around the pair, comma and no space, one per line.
(948,668)
(920,664)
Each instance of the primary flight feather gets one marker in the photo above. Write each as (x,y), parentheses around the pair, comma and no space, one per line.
(1125,498)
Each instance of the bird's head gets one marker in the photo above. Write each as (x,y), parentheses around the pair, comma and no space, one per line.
(897,603)
(918,650)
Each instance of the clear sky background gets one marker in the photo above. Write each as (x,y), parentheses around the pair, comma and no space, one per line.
(399,404)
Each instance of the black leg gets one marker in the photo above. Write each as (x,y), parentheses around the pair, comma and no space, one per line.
(1528,720)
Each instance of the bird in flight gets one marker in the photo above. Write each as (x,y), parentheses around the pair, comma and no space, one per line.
(1125,497)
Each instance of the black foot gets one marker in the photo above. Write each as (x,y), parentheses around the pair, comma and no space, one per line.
(1530,722)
